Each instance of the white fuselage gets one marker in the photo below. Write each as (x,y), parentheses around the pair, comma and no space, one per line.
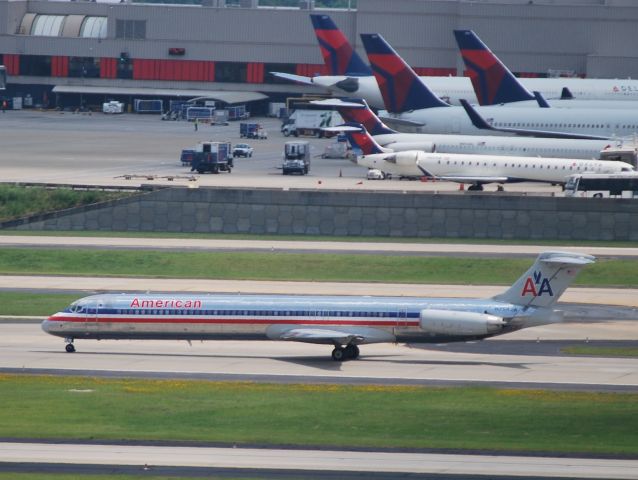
(475,167)
(474,144)
(454,120)
(202,317)
(453,89)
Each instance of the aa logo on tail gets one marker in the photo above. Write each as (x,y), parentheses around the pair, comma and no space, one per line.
(537,285)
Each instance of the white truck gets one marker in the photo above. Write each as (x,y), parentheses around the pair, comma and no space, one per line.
(310,122)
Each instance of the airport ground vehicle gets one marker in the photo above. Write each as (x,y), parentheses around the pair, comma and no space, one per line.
(600,185)
(296,158)
(310,122)
(375,174)
(113,107)
(242,150)
(345,322)
(252,130)
(212,157)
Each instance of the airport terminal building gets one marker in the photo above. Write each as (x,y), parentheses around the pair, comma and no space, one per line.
(57,50)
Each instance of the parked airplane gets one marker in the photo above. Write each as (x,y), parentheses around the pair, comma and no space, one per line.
(353,111)
(344,322)
(343,82)
(494,83)
(412,102)
(476,170)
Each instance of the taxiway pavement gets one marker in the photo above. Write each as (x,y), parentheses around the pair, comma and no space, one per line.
(319,460)
(273,245)
(26,348)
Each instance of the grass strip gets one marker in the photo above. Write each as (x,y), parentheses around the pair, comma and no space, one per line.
(318,415)
(295,267)
(601,351)
(34,304)
(323,238)
(19,202)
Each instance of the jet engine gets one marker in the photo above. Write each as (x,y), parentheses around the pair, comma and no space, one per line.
(450,322)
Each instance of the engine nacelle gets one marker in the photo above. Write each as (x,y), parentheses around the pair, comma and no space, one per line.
(450,322)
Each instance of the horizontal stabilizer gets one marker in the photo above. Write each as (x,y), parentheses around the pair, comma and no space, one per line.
(336,102)
(293,78)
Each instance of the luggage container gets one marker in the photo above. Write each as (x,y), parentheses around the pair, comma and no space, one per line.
(202,114)
(148,106)
(237,112)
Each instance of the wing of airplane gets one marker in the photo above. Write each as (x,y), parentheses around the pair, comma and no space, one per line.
(293,78)
(328,335)
(480,123)
(472,179)
(320,335)
(400,121)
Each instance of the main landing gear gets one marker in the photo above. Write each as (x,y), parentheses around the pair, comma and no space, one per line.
(341,354)
(70,348)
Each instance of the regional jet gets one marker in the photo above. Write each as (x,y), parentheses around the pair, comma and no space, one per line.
(357,111)
(342,321)
(475,170)
(348,75)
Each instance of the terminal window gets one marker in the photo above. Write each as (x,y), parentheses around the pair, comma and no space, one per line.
(130,29)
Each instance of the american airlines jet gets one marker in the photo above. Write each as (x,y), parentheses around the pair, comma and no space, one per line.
(357,111)
(410,101)
(350,76)
(476,170)
(344,322)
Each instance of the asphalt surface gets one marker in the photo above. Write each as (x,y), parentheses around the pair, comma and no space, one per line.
(332,462)
(370,248)
(67,148)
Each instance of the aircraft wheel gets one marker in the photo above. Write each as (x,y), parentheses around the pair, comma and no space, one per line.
(338,354)
(352,352)
(70,348)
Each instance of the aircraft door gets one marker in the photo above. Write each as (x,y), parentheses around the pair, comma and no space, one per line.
(92,314)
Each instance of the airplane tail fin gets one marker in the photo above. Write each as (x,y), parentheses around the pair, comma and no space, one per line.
(546,279)
(361,140)
(401,88)
(366,117)
(493,82)
(338,55)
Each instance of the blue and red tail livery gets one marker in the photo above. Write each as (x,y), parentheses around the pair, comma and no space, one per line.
(537,285)
(365,117)
(493,82)
(362,140)
(401,88)
(338,55)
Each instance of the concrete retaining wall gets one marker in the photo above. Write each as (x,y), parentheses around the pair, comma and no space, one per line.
(491,215)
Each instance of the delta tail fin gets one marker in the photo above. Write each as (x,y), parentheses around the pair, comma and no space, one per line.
(338,55)
(546,280)
(361,140)
(401,88)
(493,82)
(356,110)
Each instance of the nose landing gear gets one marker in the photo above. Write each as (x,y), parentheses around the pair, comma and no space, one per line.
(350,352)
(70,348)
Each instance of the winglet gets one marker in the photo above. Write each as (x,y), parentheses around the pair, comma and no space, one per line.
(478,121)
(338,55)
(493,82)
(401,88)
(541,100)
(566,94)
